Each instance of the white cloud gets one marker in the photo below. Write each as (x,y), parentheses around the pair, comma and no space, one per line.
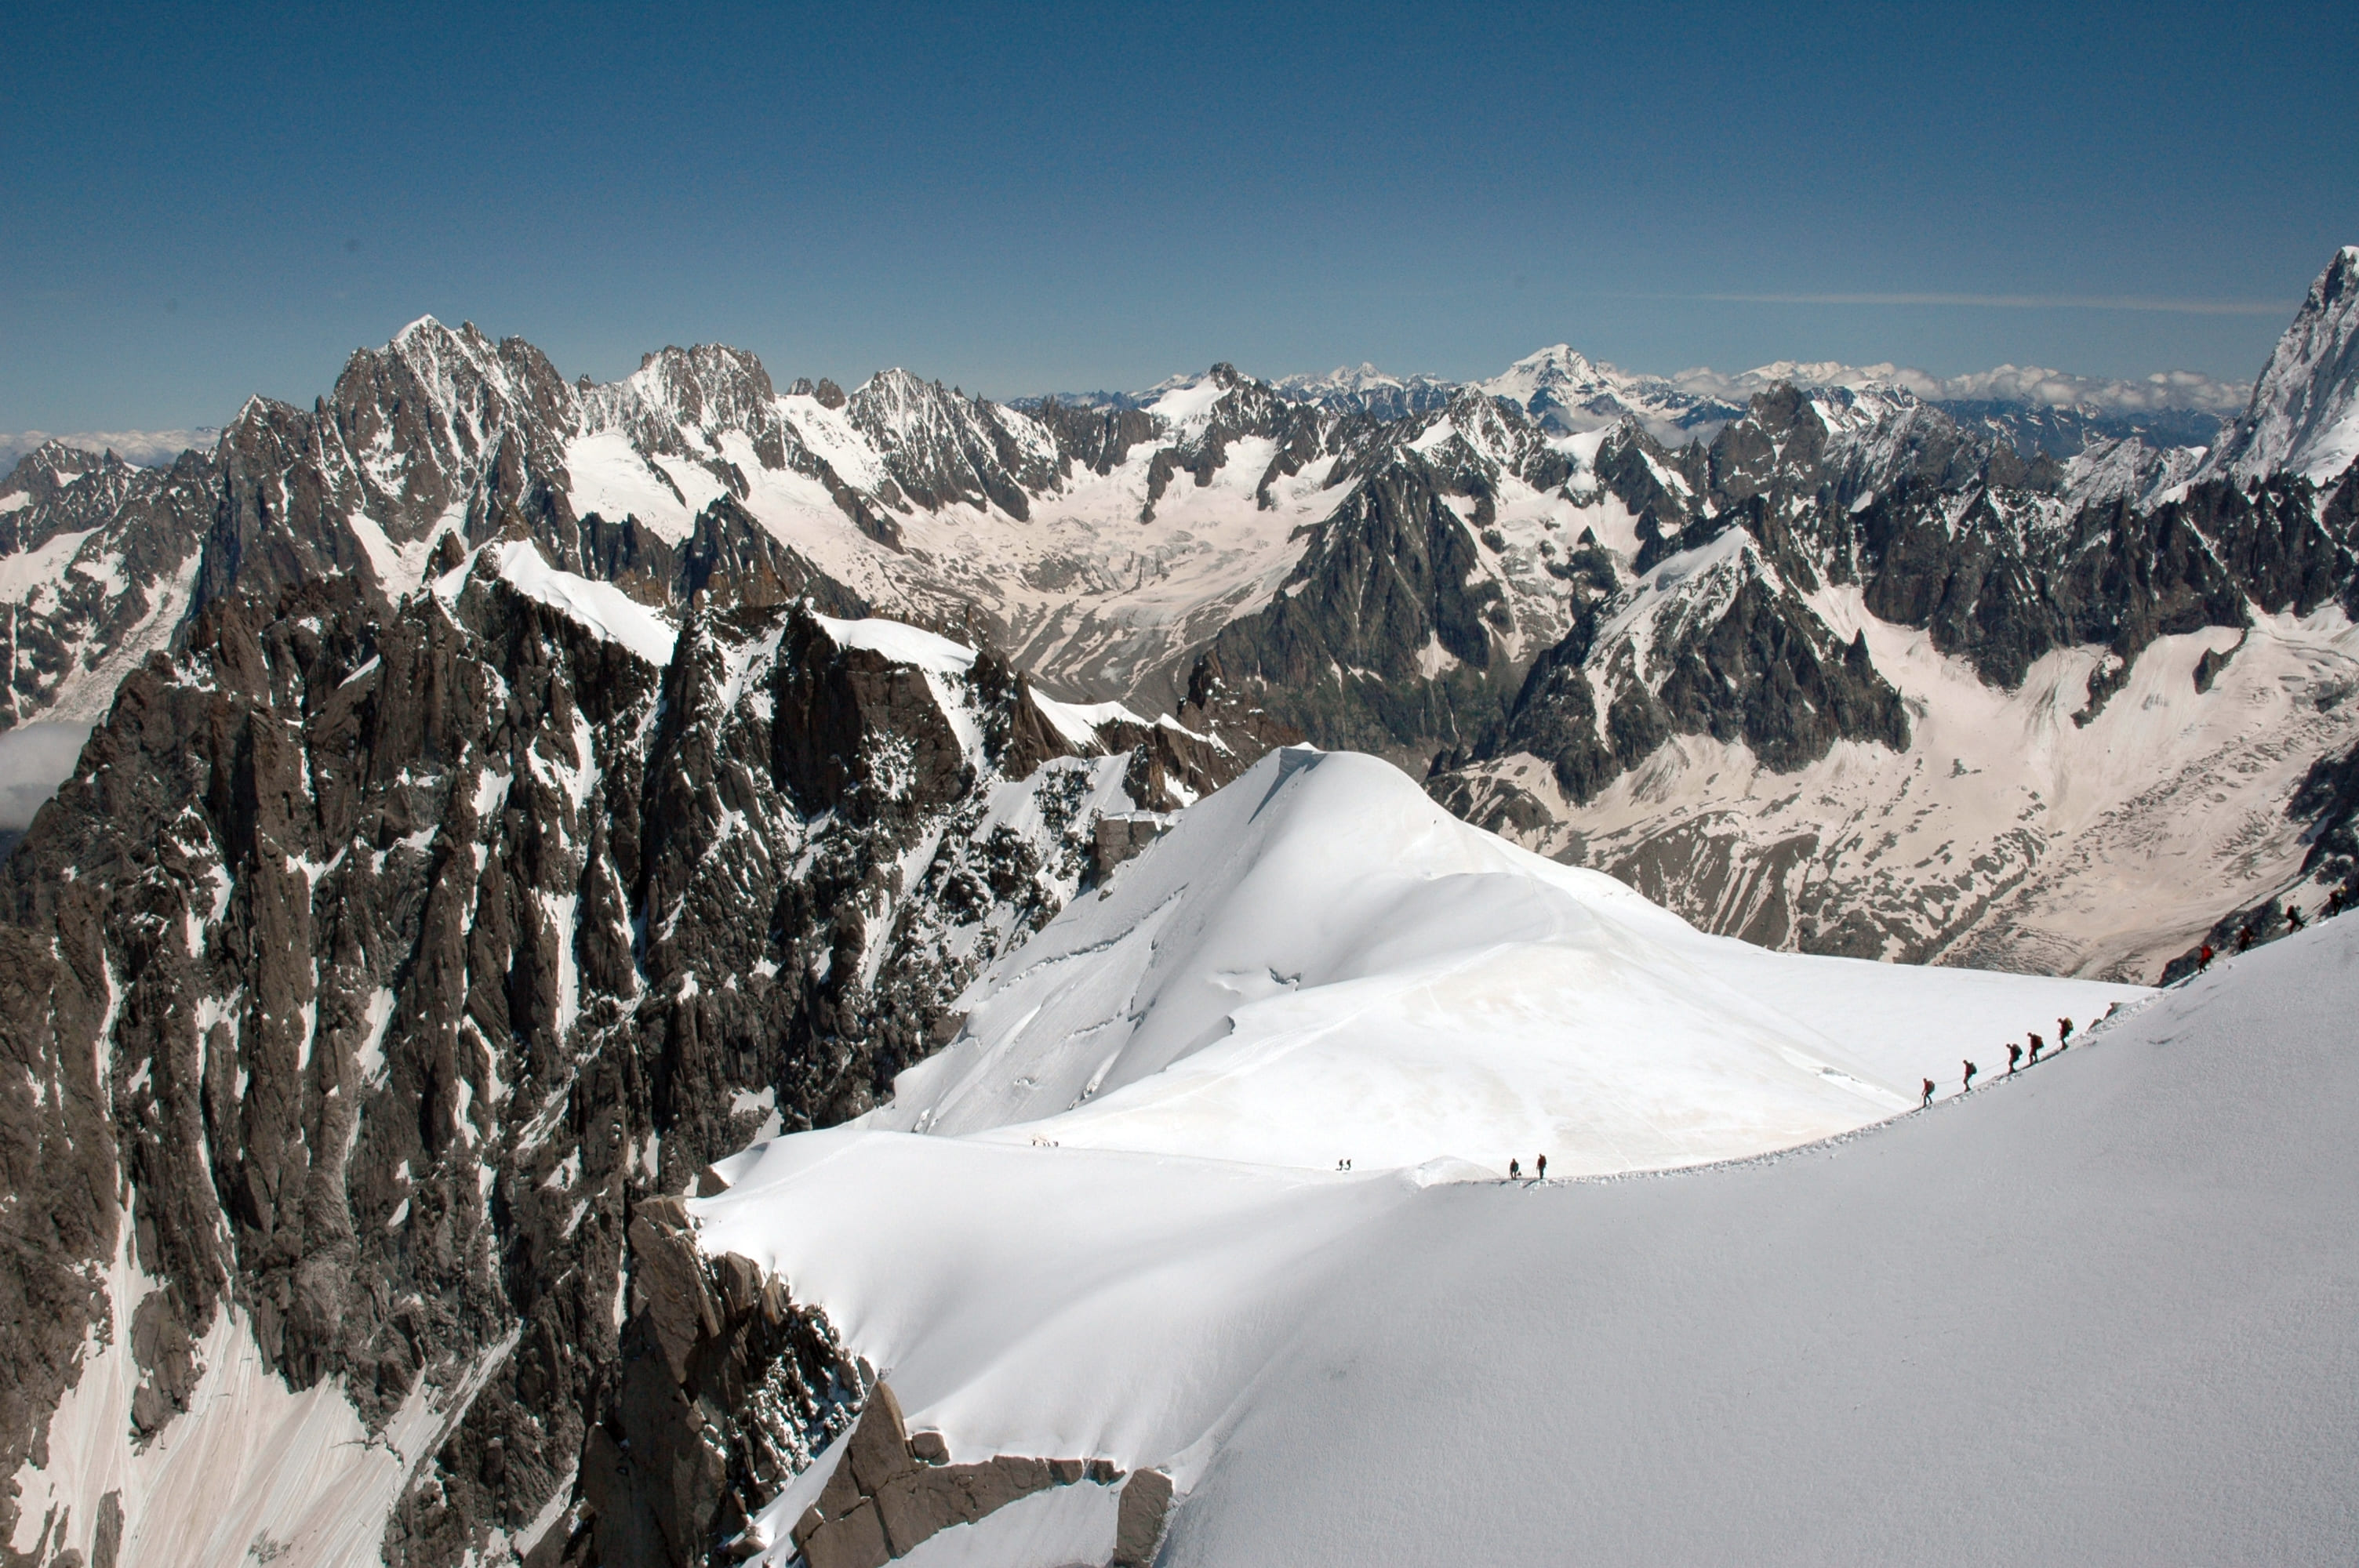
(34,760)
(147,449)
(2176,389)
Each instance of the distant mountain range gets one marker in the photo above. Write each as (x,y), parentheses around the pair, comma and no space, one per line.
(509,795)
(1563,390)
(1573,392)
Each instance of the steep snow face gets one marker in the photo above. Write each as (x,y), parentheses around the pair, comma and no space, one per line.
(2304,417)
(599,606)
(1319,963)
(1840,1354)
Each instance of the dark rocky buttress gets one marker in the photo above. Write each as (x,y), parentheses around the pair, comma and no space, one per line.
(376,964)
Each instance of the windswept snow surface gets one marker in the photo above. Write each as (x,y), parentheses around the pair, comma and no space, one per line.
(1320,963)
(2098,1313)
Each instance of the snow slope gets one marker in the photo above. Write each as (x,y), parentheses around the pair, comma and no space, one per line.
(2097,1313)
(1320,963)
(2100,1314)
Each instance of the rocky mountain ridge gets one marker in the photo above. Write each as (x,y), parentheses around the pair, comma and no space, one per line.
(510,795)
(391,958)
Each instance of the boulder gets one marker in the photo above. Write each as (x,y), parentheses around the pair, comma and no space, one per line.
(1138,1526)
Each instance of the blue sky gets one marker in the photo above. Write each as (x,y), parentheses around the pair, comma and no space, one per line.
(201,203)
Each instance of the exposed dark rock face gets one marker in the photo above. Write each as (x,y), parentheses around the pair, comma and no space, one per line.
(943,448)
(1097,440)
(1385,635)
(726,1390)
(892,1491)
(1715,627)
(393,961)
(402,943)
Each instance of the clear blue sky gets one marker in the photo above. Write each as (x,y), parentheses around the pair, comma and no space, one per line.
(201,203)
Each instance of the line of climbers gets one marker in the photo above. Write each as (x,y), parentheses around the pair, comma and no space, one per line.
(2336,903)
(2015,1059)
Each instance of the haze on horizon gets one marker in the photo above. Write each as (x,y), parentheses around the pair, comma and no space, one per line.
(206,205)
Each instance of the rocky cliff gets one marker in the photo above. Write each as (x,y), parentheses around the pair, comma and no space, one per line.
(377,963)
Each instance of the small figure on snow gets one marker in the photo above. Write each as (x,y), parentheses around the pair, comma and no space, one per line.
(2063,1034)
(2203,958)
(2333,903)
(2038,1046)
(2013,1055)
(1514,1170)
(2294,922)
(1928,1095)
(1970,1071)
(1543,1167)
(2245,938)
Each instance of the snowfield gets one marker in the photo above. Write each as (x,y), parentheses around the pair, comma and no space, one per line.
(1318,963)
(2098,1312)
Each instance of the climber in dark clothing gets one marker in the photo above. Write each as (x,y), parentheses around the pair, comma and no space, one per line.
(2294,922)
(2037,1045)
(2013,1055)
(1971,1070)
(1514,1170)
(2245,939)
(2063,1033)
(2334,904)
(1543,1167)
(1928,1095)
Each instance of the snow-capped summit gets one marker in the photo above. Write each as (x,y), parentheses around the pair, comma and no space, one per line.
(1319,960)
(1564,390)
(2304,417)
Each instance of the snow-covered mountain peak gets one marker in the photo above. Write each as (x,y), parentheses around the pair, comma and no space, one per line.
(51,464)
(681,402)
(1185,402)
(1564,390)
(1473,418)
(2304,417)
(1355,381)
(1558,364)
(1317,960)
